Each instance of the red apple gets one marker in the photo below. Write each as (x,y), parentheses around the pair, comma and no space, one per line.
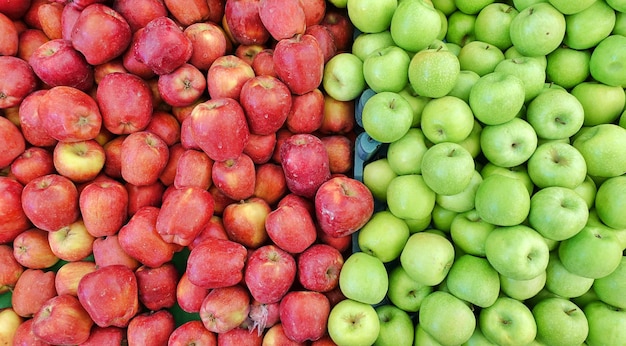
(235,177)
(188,295)
(10,40)
(113,158)
(183,86)
(100,33)
(72,242)
(144,156)
(168,175)
(270,272)
(13,219)
(338,116)
(343,205)
(192,333)
(69,275)
(166,126)
(24,335)
(78,161)
(293,199)
(221,200)
(30,122)
(307,112)
(263,316)
(339,24)
(105,336)
(187,12)
(81,4)
(62,320)
(220,128)
(276,336)
(77,118)
(314,11)
(50,202)
(202,269)
(260,148)
(56,62)
(209,43)
(304,315)
(32,250)
(109,295)
(244,221)
(11,269)
(263,63)
(104,69)
(227,75)
(18,80)
(155,46)
(31,17)
(193,170)
(138,13)
(305,162)
(247,52)
(150,328)
(293,53)
(216,9)
(34,162)
(244,23)
(29,40)
(32,291)
(214,229)
(69,15)
(267,102)
(157,286)
(324,38)
(142,196)
(282,18)
(291,228)
(225,308)
(108,251)
(319,267)
(270,183)
(50,19)
(186,135)
(131,62)
(104,207)
(340,153)
(173,222)
(14,9)
(239,336)
(125,101)
(325,340)
(342,244)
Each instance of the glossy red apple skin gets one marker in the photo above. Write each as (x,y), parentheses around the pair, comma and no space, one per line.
(69,15)
(144,195)
(260,148)
(31,124)
(29,40)
(203,272)
(338,22)
(244,222)
(304,315)
(324,38)
(193,169)
(153,46)
(125,102)
(34,162)
(24,335)
(314,11)
(240,336)
(17,82)
(14,9)
(108,251)
(62,320)
(69,275)
(150,328)
(269,274)
(225,308)
(173,222)
(209,43)
(192,333)
(183,86)
(338,116)
(131,62)
(113,157)
(282,18)
(270,183)
(56,62)
(291,228)
(267,102)
(306,164)
(307,112)
(244,23)
(235,177)
(109,295)
(263,63)
(166,126)
(144,156)
(105,336)
(276,336)
(187,12)
(290,54)
(157,286)
(340,153)
(13,219)
(319,267)
(188,295)
(227,75)
(138,13)
(32,290)
(104,207)
(50,202)
(32,250)
(11,270)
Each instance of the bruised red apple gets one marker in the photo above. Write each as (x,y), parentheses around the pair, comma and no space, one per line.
(144,195)
(340,153)
(240,336)
(109,295)
(209,43)
(276,336)
(13,219)
(291,228)
(319,267)
(305,162)
(166,126)
(225,308)
(140,239)
(173,222)
(125,102)
(183,86)
(105,336)
(270,183)
(78,161)
(187,12)
(270,272)
(150,328)
(32,291)
(235,177)
(34,162)
(62,320)
(244,23)
(343,205)
(292,53)
(201,264)
(100,34)
(227,75)
(108,251)
(69,275)
(155,46)
(50,202)
(18,80)
(304,315)
(260,148)
(104,206)
(157,286)
(282,18)
(267,102)
(244,221)
(144,156)
(220,128)
(31,249)
(56,62)
(307,112)
(192,333)
(193,170)
(188,295)
(138,13)
(11,270)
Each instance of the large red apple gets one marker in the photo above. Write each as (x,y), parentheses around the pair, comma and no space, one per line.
(319,267)
(34,162)
(31,124)
(24,335)
(216,263)
(192,333)
(263,63)
(227,75)
(104,206)
(131,62)
(291,228)
(244,221)
(270,272)
(144,156)
(193,169)
(163,46)
(225,308)
(56,62)
(18,80)
(62,320)
(235,177)
(150,328)
(244,23)
(50,202)
(183,86)
(304,315)
(32,291)
(282,18)
(13,220)
(174,223)
(305,162)
(267,102)
(209,43)
(293,53)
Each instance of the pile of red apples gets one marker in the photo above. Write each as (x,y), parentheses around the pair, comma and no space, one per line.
(134,131)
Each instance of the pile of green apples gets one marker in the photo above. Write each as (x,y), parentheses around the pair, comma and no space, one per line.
(495,145)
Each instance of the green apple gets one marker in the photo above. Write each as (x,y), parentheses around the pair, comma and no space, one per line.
(586,298)
(593,253)
(408,197)
(473,279)
(371,16)
(464,200)
(461,28)
(586,28)
(396,326)
(443,30)
(602,147)
(529,70)
(377,175)
(343,77)
(512,53)
(508,322)
(607,324)
(607,64)
(387,116)
(602,103)
(557,213)
(555,114)
(538,29)
(414,25)
(447,168)
(383,236)
(478,339)
(496,98)
(571,7)
(560,322)
(386,69)
(610,289)
(469,232)
(447,119)
(442,218)
(522,4)
(522,289)
(404,292)
(493,23)
(622,120)
(433,72)
(453,48)
(364,278)
(587,190)
(417,102)
(518,172)
(366,43)
(611,202)
(472,142)
(562,282)
(508,144)
(464,84)
(518,252)
(422,338)
(568,67)
(480,57)
(617,5)
(447,318)
(339,3)
(353,323)
(557,164)
(427,258)
(502,200)
(418,225)
(405,154)
(472,6)
(445,6)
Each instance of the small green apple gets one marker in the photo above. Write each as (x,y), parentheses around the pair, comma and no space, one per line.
(594,252)
(562,282)
(529,70)
(586,28)
(363,278)
(408,197)
(377,175)
(538,29)
(555,114)
(480,57)
(383,236)
(560,322)
(557,164)
(473,279)
(568,67)
(602,147)
(427,258)
(610,289)
(447,168)
(464,200)
(447,119)
(607,324)
(611,202)
(366,43)
(461,28)
(433,72)
(404,292)
(464,84)
(442,218)
(522,289)
(608,61)
(496,98)
(343,77)
(469,232)
(387,116)
(571,7)
(396,326)
(371,16)
(405,154)
(414,25)
(557,213)
(447,318)
(508,322)
(508,144)
(502,200)
(353,323)
(602,103)
(493,23)
(386,69)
